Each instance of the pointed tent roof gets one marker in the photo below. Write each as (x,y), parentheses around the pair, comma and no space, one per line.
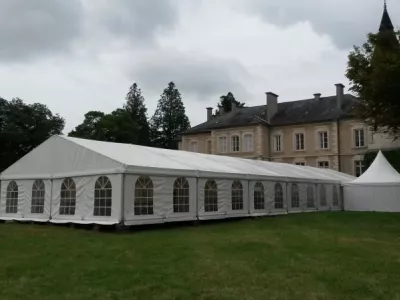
(380,172)
(386,22)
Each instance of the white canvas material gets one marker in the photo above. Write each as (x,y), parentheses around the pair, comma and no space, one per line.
(85,161)
(378,189)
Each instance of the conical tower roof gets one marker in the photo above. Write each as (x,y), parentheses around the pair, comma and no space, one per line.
(386,22)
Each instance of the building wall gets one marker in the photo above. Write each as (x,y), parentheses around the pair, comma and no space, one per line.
(312,152)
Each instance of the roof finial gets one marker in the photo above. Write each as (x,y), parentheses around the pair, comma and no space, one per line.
(384,4)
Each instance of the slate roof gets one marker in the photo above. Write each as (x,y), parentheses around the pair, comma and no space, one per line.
(294,112)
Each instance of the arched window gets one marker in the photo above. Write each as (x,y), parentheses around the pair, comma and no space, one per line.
(310,196)
(102,197)
(181,195)
(295,196)
(68,197)
(278,196)
(335,196)
(210,196)
(259,202)
(323,195)
(38,191)
(237,195)
(12,198)
(144,192)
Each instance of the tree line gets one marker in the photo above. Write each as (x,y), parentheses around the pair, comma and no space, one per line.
(24,126)
(130,123)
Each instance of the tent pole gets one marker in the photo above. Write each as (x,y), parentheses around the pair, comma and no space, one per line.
(123,198)
(197,198)
(51,197)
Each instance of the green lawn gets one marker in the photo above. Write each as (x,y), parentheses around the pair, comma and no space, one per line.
(302,256)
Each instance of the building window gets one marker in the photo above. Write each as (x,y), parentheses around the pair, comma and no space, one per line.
(323,195)
(335,197)
(278,143)
(68,197)
(300,163)
(359,168)
(102,197)
(235,143)
(259,202)
(248,143)
(295,196)
(193,146)
(210,196)
(223,147)
(310,196)
(144,192)
(181,195)
(12,198)
(209,147)
(359,137)
(38,192)
(237,195)
(278,196)
(299,140)
(323,139)
(323,164)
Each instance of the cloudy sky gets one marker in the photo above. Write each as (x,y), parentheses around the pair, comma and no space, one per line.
(81,55)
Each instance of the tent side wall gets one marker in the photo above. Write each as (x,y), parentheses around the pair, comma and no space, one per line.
(381,198)
(157,194)
(25,211)
(93,205)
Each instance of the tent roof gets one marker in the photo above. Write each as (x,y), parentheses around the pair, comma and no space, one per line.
(135,156)
(380,171)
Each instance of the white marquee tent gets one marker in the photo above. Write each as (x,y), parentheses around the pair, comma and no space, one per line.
(378,189)
(70,180)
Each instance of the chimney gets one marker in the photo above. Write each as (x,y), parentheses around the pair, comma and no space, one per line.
(233,105)
(272,105)
(209,113)
(317,96)
(339,95)
(221,110)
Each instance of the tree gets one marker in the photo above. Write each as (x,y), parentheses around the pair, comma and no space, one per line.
(225,101)
(23,127)
(90,127)
(169,119)
(117,126)
(138,113)
(374,73)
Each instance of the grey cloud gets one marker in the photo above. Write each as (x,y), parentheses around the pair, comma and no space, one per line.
(139,20)
(202,78)
(32,28)
(347,22)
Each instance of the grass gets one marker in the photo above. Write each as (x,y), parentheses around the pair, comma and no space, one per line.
(339,255)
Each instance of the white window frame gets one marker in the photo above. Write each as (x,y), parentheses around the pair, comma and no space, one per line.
(355,130)
(191,148)
(220,148)
(233,143)
(355,167)
(276,144)
(323,161)
(295,134)
(321,143)
(246,147)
